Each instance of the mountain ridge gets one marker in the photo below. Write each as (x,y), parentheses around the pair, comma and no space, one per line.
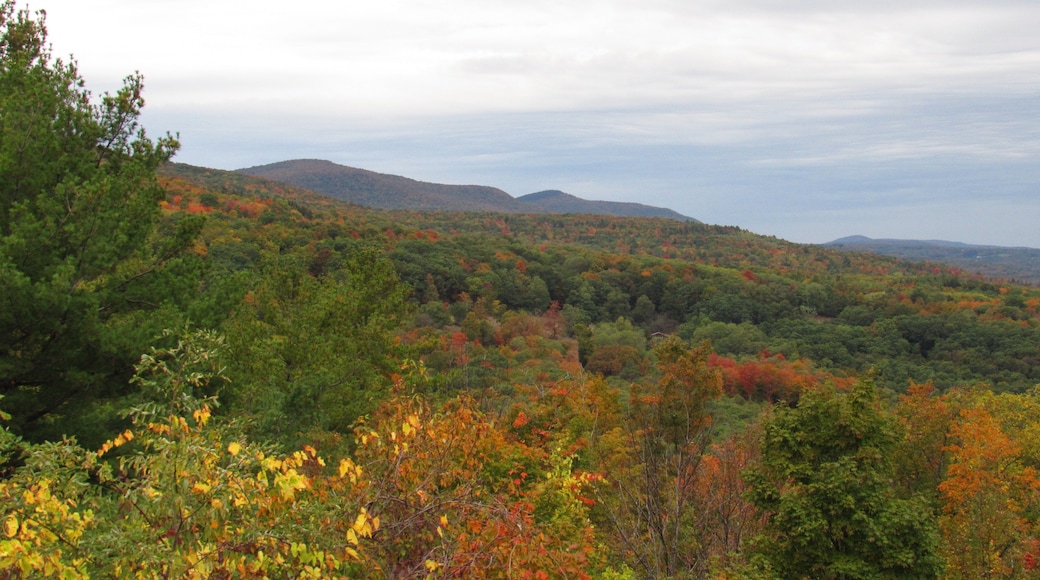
(1005,262)
(860,239)
(386,191)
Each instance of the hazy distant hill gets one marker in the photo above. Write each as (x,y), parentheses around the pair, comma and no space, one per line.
(1021,264)
(384,191)
(379,190)
(555,201)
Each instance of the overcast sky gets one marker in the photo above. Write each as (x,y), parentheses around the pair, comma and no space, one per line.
(808,120)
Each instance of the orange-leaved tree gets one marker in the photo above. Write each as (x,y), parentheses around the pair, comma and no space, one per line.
(991,489)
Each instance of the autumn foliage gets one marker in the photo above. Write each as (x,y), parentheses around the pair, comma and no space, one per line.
(210,375)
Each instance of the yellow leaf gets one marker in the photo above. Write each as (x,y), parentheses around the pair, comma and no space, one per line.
(123,438)
(352,536)
(444,521)
(271,463)
(359,522)
(413,420)
(345,466)
(200,487)
(11,526)
(201,415)
(289,482)
(432,566)
(233,448)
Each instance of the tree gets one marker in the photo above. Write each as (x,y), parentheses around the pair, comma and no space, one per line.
(78,204)
(825,481)
(920,457)
(311,355)
(651,492)
(990,493)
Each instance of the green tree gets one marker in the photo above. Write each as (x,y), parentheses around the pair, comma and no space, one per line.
(644,310)
(825,480)
(79,203)
(311,355)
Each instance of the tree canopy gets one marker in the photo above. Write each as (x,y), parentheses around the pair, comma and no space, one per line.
(78,210)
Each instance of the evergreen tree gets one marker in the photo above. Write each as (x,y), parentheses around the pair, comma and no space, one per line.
(78,204)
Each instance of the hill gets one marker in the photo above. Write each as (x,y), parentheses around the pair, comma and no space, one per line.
(555,201)
(1021,264)
(842,312)
(383,191)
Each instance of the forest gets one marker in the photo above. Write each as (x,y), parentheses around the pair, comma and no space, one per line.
(210,375)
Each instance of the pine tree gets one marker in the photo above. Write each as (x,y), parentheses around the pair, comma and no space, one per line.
(78,203)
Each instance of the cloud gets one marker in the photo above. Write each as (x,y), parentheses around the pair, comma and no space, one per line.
(750,112)
(458,56)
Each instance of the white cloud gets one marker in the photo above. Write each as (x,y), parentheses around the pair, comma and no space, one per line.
(401,56)
(688,103)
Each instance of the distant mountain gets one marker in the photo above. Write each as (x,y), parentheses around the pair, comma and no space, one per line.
(555,201)
(384,191)
(1021,264)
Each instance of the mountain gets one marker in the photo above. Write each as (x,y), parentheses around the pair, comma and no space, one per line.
(1021,264)
(555,201)
(383,191)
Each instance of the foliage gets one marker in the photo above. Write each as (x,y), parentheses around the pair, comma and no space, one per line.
(650,497)
(456,497)
(78,207)
(174,496)
(825,483)
(439,492)
(312,354)
(989,494)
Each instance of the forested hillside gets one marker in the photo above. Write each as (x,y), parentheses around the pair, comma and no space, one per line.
(211,375)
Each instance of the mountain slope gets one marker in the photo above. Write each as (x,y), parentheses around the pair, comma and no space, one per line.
(384,191)
(1022,264)
(555,201)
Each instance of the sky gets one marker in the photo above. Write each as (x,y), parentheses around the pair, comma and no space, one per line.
(808,120)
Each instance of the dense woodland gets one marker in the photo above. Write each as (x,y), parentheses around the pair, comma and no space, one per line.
(209,375)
